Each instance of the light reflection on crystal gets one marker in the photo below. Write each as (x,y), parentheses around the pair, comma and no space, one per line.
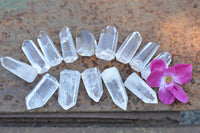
(138,87)
(115,86)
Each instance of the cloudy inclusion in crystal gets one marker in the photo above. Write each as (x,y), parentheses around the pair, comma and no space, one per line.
(143,56)
(86,44)
(49,50)
(42,92)
(35,57)
(68,89)
(19,68)
(107,43)
(67,45)
(129,47)
(138,87)
(115,86)
(92,81)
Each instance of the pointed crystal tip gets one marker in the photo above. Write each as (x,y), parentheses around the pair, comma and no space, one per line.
(129,47)
(67,45)
(166,56)
(138,87)
(49,50)
(68,89)
(107,44)
(42,92)
(140,60)
(19,68)
(92,81)
(86,44)
(35,57)
(115,86)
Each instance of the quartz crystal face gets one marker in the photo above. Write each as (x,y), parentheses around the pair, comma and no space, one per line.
(129,47)
(19,68)
(92,81)
(68,89)
(86,44)
(107,45)
(42,92)
(143,56)
(138,87)
(35,57)
(67,45)
(49,50)
(115,86)
(164,56)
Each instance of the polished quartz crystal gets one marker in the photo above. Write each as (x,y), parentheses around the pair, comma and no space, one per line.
(92,81)
(115,86)
(67,45)
(35,57)
(68,89)
(107,43)
(20,69)
(42,92)
(143,56)
(164,56)
(86,44)
(49,50)
(129,47)
(138,87)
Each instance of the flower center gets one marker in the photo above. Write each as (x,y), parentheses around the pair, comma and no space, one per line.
(168,79)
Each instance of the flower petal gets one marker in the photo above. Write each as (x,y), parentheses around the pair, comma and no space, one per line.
(157,63)
(166,96)
(183,73)
(178,92)
(169,72)
(155,78)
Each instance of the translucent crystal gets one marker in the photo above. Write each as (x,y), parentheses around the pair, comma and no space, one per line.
(107,43)
(67,45)
(143,56)
(20,69)
(86,44)
(115,86)
(129,47)
(49,50)
(68,89)
(163,55)
(138,87)
(92,81)
(42,92)
(35,57)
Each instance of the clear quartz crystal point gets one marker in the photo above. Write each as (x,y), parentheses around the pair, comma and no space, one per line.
(42,92)
(107,43)
(67,45)
(115,86)
(129,47)
(164,56)
(35,57)
(19,68)
(138,87)
(49,50)
(92,81)
(143,56)
(68,89)
(86,44)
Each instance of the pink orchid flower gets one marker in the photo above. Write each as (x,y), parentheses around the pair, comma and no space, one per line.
(166,78)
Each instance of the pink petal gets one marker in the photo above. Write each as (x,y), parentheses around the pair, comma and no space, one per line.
(179,93)
(183,73)
(170,72)
(155,78)
(166,96)
(157,63)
